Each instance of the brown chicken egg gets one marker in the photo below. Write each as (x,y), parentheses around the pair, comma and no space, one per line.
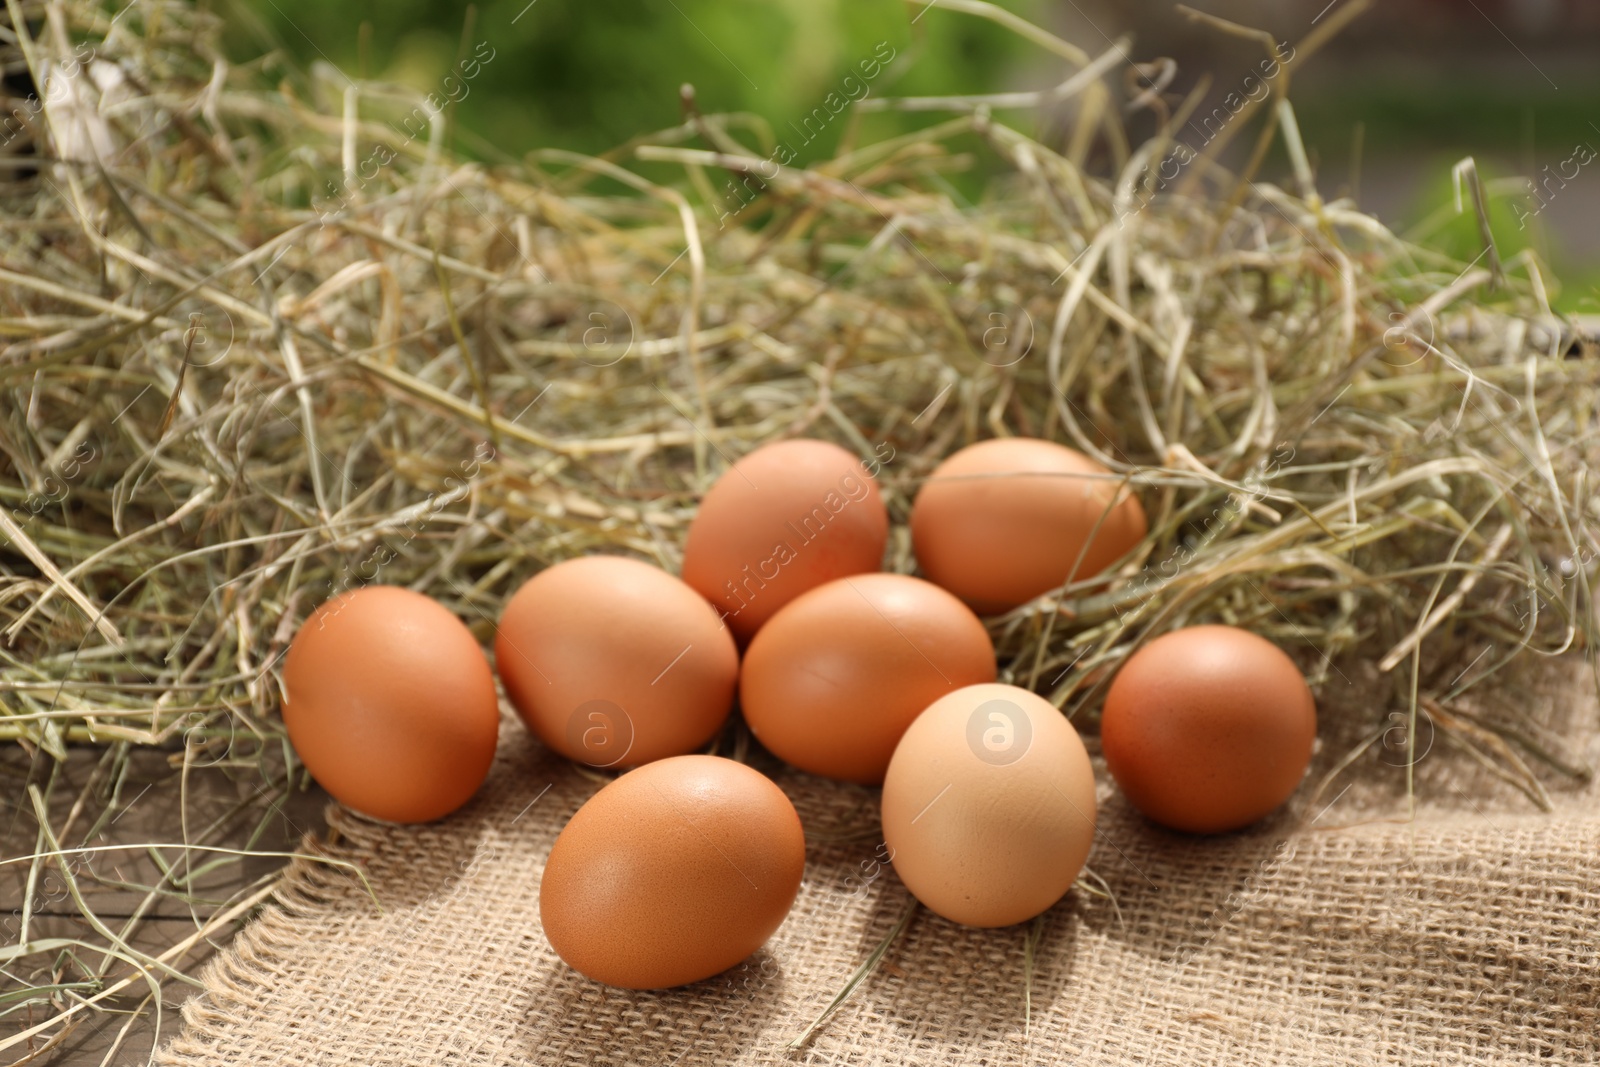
(831,682)
(1003,521)
(672,873)
(390,704)
(614,663)
(782,520)
(988,806)
(1208,729)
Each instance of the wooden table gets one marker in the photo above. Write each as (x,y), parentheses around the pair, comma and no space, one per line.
(225,806)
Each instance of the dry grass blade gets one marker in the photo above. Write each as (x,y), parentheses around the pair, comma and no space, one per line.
(1030,946)
(862,973)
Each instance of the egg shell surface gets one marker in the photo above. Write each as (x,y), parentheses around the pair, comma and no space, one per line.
(784,519)
(390,703)
(1003,521)
(613,662)
(989,806)
(672,873)
(1208,728)
(831,682)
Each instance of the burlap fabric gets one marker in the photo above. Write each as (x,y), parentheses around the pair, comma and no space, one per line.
(1340,933)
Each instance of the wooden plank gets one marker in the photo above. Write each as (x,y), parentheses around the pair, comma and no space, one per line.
(226,807)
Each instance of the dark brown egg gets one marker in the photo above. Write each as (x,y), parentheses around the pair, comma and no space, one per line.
(1208,728)
(390,704)
(672,873)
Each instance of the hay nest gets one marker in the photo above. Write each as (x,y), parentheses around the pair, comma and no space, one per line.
(265,341)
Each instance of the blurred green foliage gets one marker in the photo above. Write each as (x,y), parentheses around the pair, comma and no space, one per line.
(1399,116)
(1517,222)
(589,74)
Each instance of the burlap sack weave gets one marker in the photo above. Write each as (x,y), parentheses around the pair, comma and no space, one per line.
(1343,934)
